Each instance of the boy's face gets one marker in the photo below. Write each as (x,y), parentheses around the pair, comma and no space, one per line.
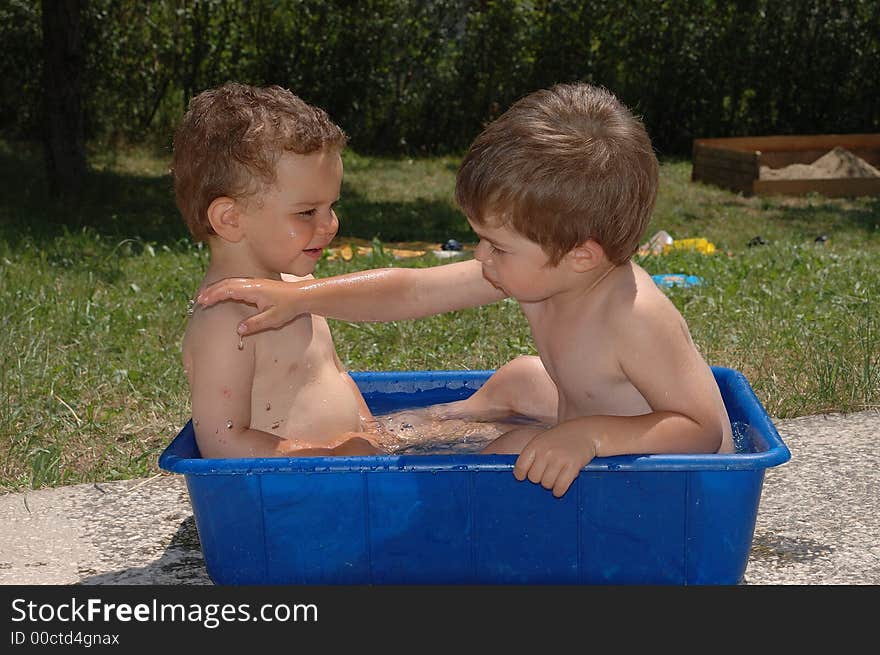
(514,263)
(287,225)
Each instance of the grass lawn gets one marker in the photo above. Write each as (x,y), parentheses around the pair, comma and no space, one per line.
(93,301)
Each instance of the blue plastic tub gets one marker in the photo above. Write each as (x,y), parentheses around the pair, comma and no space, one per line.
(464,518)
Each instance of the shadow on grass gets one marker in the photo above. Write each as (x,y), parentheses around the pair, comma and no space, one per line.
(112,204)
(864,216)
(141,207)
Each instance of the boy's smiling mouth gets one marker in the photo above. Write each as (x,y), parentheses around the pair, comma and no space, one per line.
(314,252)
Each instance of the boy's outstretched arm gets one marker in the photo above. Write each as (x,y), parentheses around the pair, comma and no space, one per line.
(385,294)
(660,360)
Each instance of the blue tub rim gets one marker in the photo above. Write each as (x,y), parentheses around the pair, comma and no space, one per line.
(772,451)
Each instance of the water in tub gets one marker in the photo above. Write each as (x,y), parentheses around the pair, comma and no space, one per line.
(743,437)
(423,431)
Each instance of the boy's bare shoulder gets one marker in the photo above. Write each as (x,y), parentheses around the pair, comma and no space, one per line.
(642,308)
(650,336)
(211,331)
(207,324)
(230,310)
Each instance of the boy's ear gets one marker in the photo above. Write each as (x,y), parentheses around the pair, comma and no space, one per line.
(224,216)
(586,256)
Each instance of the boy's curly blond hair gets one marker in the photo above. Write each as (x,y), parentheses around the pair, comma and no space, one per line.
(229,142)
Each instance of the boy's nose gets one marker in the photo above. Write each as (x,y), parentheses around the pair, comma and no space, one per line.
(330,223)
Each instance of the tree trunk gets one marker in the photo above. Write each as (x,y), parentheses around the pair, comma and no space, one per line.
(64,138)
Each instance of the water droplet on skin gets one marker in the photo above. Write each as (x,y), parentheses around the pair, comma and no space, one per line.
(275,425)
(240,343)
(228,425)
(195,422)
(268,406)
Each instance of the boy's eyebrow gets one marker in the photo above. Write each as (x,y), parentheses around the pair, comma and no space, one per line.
(491,240)
(311,202)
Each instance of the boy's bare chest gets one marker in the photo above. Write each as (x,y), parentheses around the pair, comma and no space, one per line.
(298,353)
(298,391)
(582,359)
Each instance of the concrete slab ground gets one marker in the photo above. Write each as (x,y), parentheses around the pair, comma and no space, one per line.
(818,520)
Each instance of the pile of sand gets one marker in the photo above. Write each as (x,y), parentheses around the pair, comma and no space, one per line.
(839,162)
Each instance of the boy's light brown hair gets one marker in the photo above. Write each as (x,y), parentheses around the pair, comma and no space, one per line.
(561,166)
(229,142)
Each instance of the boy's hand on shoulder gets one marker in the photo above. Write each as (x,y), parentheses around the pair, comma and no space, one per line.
(275,300)
(554,458)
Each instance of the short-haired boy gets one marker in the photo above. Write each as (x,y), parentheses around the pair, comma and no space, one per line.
(256,174)
(560,190)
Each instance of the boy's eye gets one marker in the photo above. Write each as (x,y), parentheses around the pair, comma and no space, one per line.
(495,249)
(308,213)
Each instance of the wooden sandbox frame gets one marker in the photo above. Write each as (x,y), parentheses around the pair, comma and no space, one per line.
(735,163)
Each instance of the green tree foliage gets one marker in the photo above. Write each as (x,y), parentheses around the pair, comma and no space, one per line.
(407,76)
(21,73)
